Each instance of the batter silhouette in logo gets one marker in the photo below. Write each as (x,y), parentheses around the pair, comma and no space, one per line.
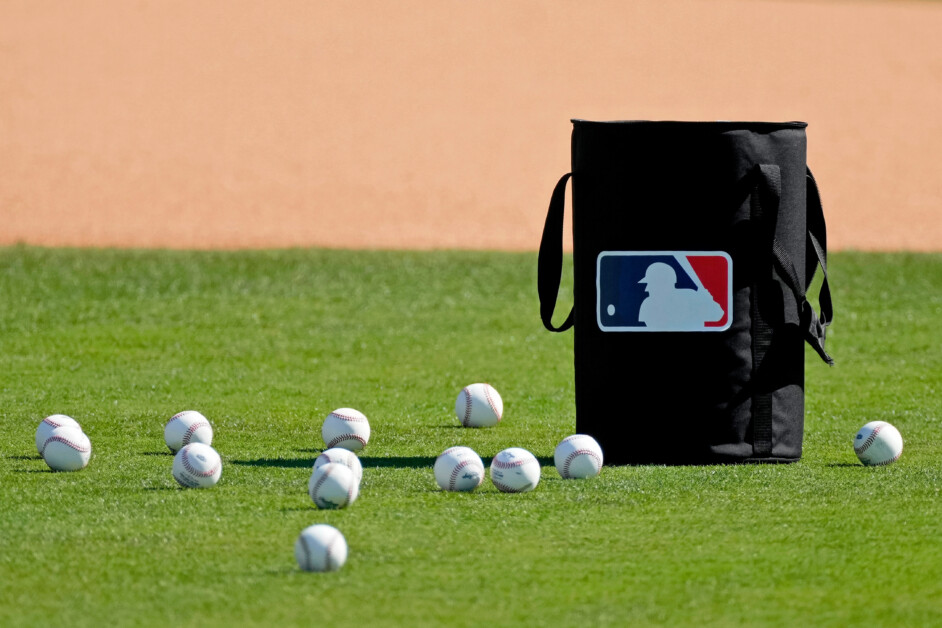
(668,307)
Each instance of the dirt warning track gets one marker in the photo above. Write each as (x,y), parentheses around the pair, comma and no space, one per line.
(435,124)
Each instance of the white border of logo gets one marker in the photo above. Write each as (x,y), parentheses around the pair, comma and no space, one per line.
(681,257)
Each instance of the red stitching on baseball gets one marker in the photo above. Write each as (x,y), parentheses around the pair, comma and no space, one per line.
(189,432)
(490,402)
(454,473)
(49,421)
(500,464)
(467,406)
(576,453)
(866,444)
(509,489)
(350,417)
(344,437)
(193,471)
(60,439)
(886,462)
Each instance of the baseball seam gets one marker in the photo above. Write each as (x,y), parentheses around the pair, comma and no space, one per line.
(59,439)
(317,486)
(193,470)
(577,453)
(307,553)
(490,402)
(510,489)
(53,423)
(456,471)
(328,553)
(890,461)
(339,439)
(467,407)
(500,464)
(350,417)
(870,439)
(188,434)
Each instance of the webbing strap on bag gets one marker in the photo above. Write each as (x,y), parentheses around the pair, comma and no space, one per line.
(764,209)
(814,326)
(550,261)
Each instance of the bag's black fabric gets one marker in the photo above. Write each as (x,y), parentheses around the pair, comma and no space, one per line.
(694,244)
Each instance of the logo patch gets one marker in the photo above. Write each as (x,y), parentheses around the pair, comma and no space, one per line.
(664,291)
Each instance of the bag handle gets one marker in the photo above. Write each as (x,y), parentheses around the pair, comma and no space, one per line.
(814,325)
(550,261)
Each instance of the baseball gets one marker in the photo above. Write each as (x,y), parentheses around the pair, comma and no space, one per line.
(197,466)
(346,428)
(50,423)
(479,405)
(333,485)
(878,443)
(320,548)
(459,469)
(515,470)
(342,456)
(577,457)
(67,448)
(187,427)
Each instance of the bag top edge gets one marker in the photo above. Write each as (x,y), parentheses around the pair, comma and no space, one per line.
(723,125)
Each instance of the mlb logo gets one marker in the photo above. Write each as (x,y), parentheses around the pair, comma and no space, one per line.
(664,291)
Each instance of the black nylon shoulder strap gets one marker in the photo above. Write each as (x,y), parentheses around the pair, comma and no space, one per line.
(550,262)
(816,326)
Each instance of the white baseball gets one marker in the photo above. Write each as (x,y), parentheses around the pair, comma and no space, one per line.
(320,548)
(577,457)
(67,448)
(341,456)
(187,427)
(515,470)
(197,466)
(346,428)
(459,469)
(333,485)
(479,405)
(50,423)
(878,443)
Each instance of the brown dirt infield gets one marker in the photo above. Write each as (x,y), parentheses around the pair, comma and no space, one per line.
(435,124)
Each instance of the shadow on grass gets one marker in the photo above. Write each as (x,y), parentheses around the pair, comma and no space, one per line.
(27,457)
(844,465)
(162,454)
(415,462)
(288,463)
(395,462)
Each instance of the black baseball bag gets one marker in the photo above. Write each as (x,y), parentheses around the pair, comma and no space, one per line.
(694,246)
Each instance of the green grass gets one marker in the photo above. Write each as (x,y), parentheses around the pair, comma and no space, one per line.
(265,344)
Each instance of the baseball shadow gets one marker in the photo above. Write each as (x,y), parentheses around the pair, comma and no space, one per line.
(157,453)
(844,465)
(399,462)
(26,457)
(285,463)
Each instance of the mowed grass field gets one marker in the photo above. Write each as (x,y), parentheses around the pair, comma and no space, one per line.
(265,344)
